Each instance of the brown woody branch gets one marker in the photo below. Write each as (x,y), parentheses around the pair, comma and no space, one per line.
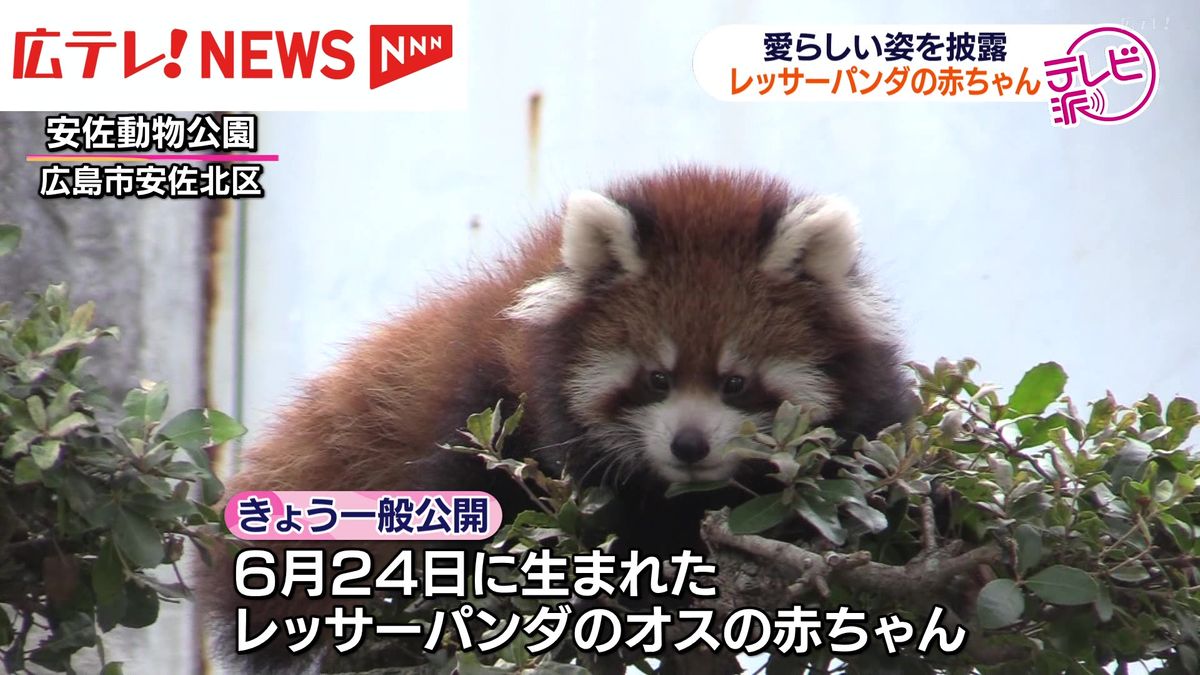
(761,572)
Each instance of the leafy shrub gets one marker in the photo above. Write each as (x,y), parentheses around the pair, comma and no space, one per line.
(1064,540)
(88,507)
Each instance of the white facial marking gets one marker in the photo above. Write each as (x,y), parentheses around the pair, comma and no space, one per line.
(731,362)
(595,377)
(873,311)
(596,232)
(819,237)
(667,354)
(801,383)
(659,423)
(544,300)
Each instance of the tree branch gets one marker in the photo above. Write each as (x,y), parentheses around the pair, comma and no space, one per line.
(929,574)
(792,572)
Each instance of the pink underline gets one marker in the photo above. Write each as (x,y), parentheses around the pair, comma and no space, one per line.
(109,157)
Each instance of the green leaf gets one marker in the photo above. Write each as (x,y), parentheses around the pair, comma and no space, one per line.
(1036,431)
(1040,387)
(66,425)
(1189,657)
(134,404)
(60,405)
(533,519)
(787,422)
(189,429)
(183,470)
(6,629)
(141,608)
(872,518)
(758,514)
(1131,574)
(1182,416)
(10,238)
(1181,411)
(137,539)
(1000,604)
(675,489)
(110,612)
(26,471)
(512,421)
(496,419)
(46,454)
(1102,414)
(1128,461)
(823,516)
(56,296)
(594,499)
(200,428)
(1062,585)
(1029,547)
(81,318)
(569,518)
(108,574)
(1184,485)
(30,371)
(480,426)
(18,443)
(147,404)
(880,453)
(1163,491)
(842,491)
(224,427)
(112,668)
(1104,605)
(37,411)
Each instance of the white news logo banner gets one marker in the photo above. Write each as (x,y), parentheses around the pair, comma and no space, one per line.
(347,55)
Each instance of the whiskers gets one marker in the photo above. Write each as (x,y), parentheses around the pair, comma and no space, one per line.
(616,451)
(559,444)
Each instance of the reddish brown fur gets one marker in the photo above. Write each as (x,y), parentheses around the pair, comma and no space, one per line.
(373,421)
(385,404)
(702,288)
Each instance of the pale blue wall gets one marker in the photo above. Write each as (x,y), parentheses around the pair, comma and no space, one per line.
(1000,236)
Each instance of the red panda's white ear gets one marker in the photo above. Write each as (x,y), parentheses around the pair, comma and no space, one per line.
(817,238)
(598,233)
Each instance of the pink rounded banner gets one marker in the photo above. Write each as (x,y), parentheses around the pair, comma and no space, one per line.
(360,516)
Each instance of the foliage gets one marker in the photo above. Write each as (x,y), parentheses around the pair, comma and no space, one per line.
(94,496)
(1097,511)
(1095,515)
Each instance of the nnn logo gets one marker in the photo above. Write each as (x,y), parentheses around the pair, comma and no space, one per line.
(397,51)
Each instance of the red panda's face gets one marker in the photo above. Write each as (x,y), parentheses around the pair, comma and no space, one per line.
(677,410)
(692,321)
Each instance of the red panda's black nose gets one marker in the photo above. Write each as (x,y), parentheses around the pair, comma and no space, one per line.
(690,445)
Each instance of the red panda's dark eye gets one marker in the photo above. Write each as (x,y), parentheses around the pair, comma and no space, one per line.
(733,385)
(659,381)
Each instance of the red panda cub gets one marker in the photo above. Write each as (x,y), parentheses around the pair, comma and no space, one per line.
(645,325)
